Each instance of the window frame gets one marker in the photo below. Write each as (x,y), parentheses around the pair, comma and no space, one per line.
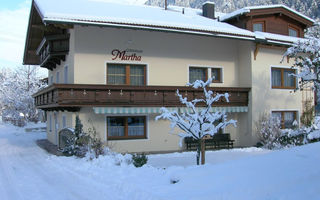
(220,74)
(199,67)
(66,74)
(64,121)
(282,78)
(259,22)
(50,123)
(126,136)
(282,122)
(290,26)
(57,77)
(127,72)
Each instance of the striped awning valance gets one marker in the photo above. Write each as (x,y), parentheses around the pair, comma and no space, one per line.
(150,110)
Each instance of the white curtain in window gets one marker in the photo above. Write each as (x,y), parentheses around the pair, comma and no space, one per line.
(276,115)
(136,126)
(197,74)
(288,80)
(288,119)
(116,74)
(276,77)
(137,75)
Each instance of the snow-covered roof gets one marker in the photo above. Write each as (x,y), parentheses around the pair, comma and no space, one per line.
(247,10)
(114,14)
(276,38)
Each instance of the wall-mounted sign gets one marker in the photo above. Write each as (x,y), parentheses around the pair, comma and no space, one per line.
(128,54)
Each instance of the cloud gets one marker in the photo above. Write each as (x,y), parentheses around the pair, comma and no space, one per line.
(13,28)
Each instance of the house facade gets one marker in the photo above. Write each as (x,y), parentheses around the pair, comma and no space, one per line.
(115,70)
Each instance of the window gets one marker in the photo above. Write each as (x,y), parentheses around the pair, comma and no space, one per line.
(50,123)
(51,80)
(293,32)
(66,74)
(57,77)
(282,79)
(122,74)
(126,127)
(259,26)
(286,118)
(216,75)
(198,73)
(64,121)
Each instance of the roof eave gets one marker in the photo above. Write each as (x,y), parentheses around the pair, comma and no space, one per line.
(148,27)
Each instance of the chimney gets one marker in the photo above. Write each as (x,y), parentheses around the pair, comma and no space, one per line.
(208,9)
(165,4)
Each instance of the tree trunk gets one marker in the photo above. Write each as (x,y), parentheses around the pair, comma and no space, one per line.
(198,152)
(203,151)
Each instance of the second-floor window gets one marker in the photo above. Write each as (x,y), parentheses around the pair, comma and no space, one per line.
(65,74)
(282,79)
(125,74)
(293,32)
(216,75)
(198,73)
(258,26)
(57,77)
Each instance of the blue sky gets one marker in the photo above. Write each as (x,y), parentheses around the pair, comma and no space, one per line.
(11,4)
(13,25)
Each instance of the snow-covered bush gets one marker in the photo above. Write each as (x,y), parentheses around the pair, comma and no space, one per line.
(200,121)
(78,146)
(268,130)
(84,143)
(139,160)
(96,147)
(16,88)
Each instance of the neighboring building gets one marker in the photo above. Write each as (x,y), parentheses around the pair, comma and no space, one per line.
(115,65)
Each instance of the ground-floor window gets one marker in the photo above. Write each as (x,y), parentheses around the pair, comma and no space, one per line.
(131,127)
(286,118)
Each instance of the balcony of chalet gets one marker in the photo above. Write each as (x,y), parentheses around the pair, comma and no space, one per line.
(52,50)
(71,97)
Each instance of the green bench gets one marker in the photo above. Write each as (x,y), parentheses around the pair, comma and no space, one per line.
(217,141)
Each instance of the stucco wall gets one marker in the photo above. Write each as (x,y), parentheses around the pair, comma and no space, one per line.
(167,55)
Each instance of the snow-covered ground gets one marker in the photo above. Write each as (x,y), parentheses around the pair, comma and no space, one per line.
(28,172)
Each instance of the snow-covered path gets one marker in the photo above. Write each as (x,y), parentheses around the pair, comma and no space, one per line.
(28,172)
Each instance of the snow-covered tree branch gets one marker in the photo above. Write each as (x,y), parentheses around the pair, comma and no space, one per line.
(306,54)
(16,88)
(198,121)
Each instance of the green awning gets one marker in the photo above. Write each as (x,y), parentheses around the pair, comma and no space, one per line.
(150,110)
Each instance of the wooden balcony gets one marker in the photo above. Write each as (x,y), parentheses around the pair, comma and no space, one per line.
(52,50)
(71,97)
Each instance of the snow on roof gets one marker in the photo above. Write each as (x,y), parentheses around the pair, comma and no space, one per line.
(247,10)
(276,38)
(107,13)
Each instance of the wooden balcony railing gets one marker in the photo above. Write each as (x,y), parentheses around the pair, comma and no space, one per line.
(52,50)
(73,96)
